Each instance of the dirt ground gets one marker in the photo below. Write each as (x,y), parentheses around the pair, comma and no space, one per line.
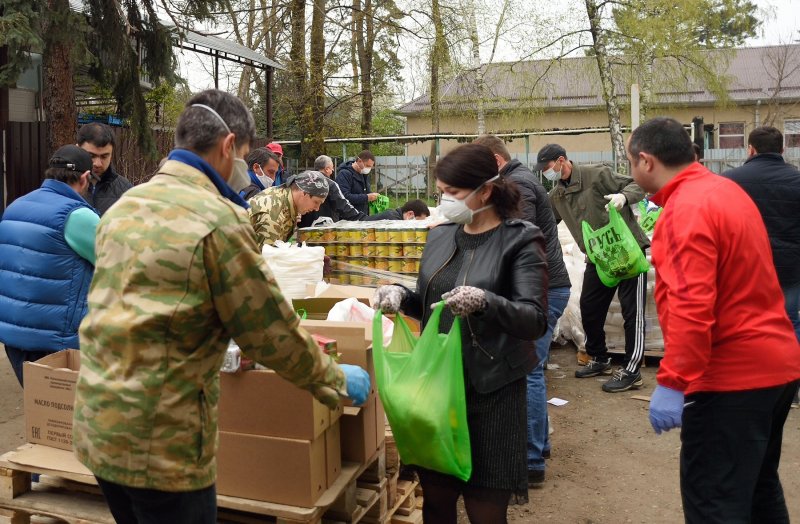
(607,467)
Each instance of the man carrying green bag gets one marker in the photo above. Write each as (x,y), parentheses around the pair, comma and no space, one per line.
(485,276)
(587,193)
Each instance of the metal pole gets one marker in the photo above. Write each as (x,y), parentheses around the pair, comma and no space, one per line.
(268,103)
(216,70)
(634,106)
(527,151)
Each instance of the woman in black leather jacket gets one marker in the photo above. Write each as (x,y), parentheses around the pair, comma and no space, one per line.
(491,270)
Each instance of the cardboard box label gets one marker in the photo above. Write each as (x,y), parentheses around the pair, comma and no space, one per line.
(49,398)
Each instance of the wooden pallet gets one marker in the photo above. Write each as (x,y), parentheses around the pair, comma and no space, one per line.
(69,492)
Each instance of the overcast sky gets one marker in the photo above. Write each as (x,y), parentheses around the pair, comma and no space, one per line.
(781,21)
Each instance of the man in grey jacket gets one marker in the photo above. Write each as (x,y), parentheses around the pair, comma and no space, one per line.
(584,193)
(536,209)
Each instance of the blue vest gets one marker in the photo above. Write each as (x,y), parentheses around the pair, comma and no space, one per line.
(43,282)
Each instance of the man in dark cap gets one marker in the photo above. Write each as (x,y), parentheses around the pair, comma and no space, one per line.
(584,193)
(47,255)
(275,211)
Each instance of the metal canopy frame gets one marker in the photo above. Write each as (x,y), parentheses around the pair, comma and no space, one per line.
(219,48)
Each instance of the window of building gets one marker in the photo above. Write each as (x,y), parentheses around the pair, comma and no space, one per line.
(731,135)
(791,133)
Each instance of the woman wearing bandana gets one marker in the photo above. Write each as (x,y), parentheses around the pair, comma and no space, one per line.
(275,211)
(490,269)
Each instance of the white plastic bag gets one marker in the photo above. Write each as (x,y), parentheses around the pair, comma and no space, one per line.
(294,266)
(351,310)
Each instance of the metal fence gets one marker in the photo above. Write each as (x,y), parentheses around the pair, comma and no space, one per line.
(406,175)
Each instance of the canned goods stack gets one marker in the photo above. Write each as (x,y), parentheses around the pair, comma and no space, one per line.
(388,245)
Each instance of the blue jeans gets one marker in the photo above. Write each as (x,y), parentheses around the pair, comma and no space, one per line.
(792,297)
(538,439)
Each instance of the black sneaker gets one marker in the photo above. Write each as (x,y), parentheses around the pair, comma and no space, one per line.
(593,368)
(546,454)
(535,478)
(623,380)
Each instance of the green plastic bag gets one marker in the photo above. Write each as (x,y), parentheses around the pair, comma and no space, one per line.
(379,205)
(421,385)
(647,219)
(614,250)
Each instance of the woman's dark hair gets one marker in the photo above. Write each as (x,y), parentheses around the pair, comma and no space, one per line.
(470,165)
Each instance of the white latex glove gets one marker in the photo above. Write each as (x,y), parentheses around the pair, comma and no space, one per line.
(388,299)
(617,200)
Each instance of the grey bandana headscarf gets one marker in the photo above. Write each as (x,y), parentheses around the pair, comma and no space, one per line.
(312,182)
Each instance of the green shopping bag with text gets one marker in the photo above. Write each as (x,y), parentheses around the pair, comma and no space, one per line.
(421,385)
(648,216)
(614,250)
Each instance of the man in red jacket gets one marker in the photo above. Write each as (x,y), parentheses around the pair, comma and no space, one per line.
(731,361)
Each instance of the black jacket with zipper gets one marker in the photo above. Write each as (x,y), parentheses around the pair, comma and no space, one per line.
(497,343)
(535,206)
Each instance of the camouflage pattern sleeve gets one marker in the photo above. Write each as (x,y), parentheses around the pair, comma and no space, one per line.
(256,315)
(272,215)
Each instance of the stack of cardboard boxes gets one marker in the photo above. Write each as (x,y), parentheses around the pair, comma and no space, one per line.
(276,442)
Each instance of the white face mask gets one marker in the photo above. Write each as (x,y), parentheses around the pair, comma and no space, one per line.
(551,174)
(366,170)
(457,211)
(264,179)
(239,178)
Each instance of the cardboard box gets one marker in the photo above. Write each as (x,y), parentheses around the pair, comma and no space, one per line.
(363,430)
(49,398)
(271,469)
(353,341)
(260,402)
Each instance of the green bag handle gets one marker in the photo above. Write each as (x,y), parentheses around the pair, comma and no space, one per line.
(303,314)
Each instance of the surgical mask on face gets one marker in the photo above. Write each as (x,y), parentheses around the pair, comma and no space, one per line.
(239,178)
(551,174)
(366,170)
(457,211)
(264,179)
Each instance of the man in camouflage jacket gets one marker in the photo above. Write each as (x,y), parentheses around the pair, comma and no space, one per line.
(275,211)
(178,275)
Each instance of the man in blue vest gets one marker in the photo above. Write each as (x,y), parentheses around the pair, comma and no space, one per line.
(47,261)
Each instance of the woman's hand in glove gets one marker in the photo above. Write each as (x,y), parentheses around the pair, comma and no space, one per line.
(388,298)
(465,300)
(357,383)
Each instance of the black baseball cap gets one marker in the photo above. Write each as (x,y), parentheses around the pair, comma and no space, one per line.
(547,154)
(72,158)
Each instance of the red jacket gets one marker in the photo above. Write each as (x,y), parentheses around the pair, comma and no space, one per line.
(719,303)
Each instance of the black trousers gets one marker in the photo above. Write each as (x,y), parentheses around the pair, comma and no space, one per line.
(596,297)
(730,456)
(150,506)
(17,357)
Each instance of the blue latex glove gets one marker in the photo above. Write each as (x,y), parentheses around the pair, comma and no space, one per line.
(666,409)
(357,383)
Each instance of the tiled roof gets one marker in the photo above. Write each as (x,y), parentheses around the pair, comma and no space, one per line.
(574,83)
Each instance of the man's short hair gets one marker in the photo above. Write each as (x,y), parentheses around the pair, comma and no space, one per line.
(664,138)
(417,206)
(260,156)
(366,155)
(321,162)
(766,139)
(496,144)
(199,129)
(97,134)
